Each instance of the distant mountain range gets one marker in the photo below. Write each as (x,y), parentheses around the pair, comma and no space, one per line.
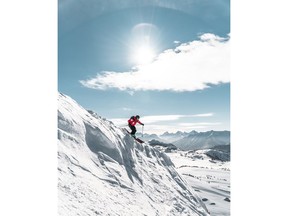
(204,140)
(167,137)
(193,140)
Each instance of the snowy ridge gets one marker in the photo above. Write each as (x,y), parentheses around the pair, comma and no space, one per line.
(103,171)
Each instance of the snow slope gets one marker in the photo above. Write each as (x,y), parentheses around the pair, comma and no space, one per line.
(210,177)
(103,171)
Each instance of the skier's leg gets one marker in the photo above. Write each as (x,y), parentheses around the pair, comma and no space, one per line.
(133,128)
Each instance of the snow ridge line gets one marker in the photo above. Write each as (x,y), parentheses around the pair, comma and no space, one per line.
(95,155)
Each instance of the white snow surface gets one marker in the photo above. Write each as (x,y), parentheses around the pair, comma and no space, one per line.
(103,171)
(210,178)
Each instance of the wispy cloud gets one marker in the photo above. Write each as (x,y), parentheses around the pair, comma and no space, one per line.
(198,124)
(202,115)
(189,67)
(126,109)
(160,123)
(159,118)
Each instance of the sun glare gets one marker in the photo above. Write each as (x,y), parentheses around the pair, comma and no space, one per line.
(143,43)
(143,55)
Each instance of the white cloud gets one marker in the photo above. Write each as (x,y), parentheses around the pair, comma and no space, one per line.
(189,67)
(160,123)
(203,115)
(159,118)
(126,109)
(199,124)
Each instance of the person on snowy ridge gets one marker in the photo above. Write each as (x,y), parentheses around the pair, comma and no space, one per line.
(132,122)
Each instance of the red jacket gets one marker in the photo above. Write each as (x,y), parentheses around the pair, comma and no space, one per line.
(133,121)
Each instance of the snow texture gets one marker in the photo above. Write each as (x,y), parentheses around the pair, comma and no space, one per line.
(209,177)
(102,170)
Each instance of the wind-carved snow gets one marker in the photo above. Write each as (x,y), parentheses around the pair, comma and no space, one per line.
(103,171)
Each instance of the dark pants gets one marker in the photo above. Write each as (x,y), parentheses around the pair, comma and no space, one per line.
(133,128)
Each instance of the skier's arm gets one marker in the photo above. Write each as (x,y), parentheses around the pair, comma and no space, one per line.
(140,122)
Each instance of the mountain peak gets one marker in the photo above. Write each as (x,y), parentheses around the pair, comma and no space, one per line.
(98,161)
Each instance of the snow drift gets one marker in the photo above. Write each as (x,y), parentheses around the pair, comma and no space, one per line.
(103,171)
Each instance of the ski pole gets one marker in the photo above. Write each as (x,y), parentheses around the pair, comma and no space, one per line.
(142,129)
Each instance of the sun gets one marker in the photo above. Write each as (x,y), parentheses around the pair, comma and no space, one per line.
(143,55)
(143,43)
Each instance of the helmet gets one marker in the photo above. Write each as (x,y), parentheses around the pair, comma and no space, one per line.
(137,116)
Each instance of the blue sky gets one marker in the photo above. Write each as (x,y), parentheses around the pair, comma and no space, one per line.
(167,61)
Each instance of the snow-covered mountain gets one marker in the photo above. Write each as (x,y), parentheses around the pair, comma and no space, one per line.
(203,140)
(192,140)
(148,137)
(172,137)
(208,175)
(207,171)
(103,171)
(165,137)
